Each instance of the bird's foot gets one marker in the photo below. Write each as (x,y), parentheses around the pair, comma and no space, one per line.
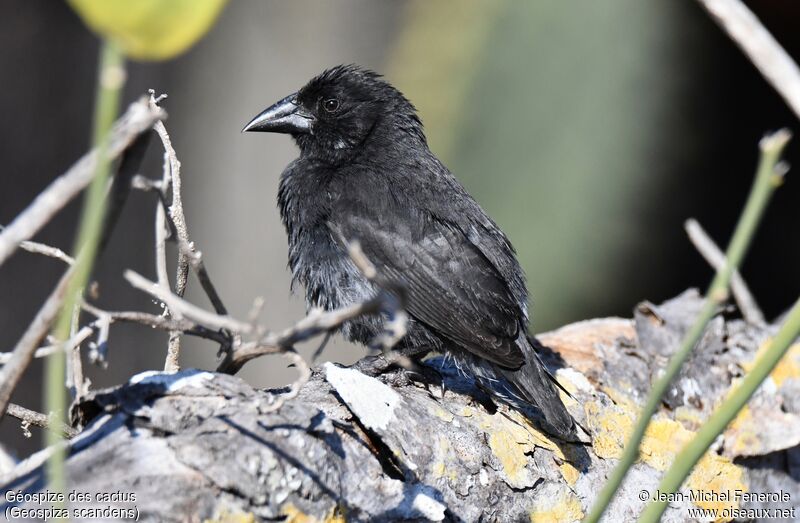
(372,366)
(400,371)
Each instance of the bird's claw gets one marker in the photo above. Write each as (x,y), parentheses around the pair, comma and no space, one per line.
(400,371)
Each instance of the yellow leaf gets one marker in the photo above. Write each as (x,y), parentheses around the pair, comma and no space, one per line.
(150,29)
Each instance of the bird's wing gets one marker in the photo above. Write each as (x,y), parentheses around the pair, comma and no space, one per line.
(451,286)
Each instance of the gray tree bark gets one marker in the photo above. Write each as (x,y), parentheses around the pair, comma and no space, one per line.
(200,446)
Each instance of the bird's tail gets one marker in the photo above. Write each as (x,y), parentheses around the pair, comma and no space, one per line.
(533,384)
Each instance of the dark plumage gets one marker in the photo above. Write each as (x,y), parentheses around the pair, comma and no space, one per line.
(365,171)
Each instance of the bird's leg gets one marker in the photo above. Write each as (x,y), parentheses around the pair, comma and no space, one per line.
(400,369)
(373,366)
(413,370)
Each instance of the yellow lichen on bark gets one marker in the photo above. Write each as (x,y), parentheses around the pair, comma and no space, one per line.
(562,508)
(788,367)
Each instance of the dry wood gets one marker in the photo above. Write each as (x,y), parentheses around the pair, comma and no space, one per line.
(716,258)
(745,29)
(26,347)
(139,118)
(29,417)
(209,446)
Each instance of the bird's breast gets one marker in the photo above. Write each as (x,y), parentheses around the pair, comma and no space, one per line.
(324,269)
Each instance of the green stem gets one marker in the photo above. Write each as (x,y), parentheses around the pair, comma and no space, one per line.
(726,412)
(766,181)
(110,79)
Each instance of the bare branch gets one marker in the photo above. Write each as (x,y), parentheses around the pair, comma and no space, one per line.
(172,363)
(294,389)
(76,382)
(26,347)
(46,250)
(195,258)
(389,300)
(182,317)
(189,310)
(395,328)
(161,247)
(187,254)
(188,249)
(716,258)
(318,322)
(31,417)
(760,46)
(48,350)
(107,318)
(138,119)
(321,347)
(42,352)
(360,259)
(171,170)
(315,323)
(176,209)
(157,322)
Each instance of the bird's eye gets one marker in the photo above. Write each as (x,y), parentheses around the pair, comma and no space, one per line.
(331,105)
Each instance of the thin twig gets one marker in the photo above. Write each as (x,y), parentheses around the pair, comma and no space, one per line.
(360,259)
(320,321)
(393,331)
(723,415)
(74,370)
(188,249)
(170,171)
(294,389)
(138,119)
(172,362)
(157,322)
(26,347)
(31,417)
(716,258)
(46,250)
(187,254)
(41,352)
(774,63)
(176,209)
(107,318)
(195,258)
(76,383)
(321,347)
(48,350)
(767,179)
(178,304)
(161,247)
(317,322)
(395,328)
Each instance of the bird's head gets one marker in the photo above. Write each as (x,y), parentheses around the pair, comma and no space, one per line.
(339,112)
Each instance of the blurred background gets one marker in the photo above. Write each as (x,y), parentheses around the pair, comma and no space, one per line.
(589,130)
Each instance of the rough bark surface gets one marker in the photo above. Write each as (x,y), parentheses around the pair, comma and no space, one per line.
(198,446)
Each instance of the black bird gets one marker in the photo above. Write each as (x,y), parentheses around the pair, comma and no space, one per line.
(365,173)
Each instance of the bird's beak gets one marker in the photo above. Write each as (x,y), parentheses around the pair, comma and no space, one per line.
(286,116)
